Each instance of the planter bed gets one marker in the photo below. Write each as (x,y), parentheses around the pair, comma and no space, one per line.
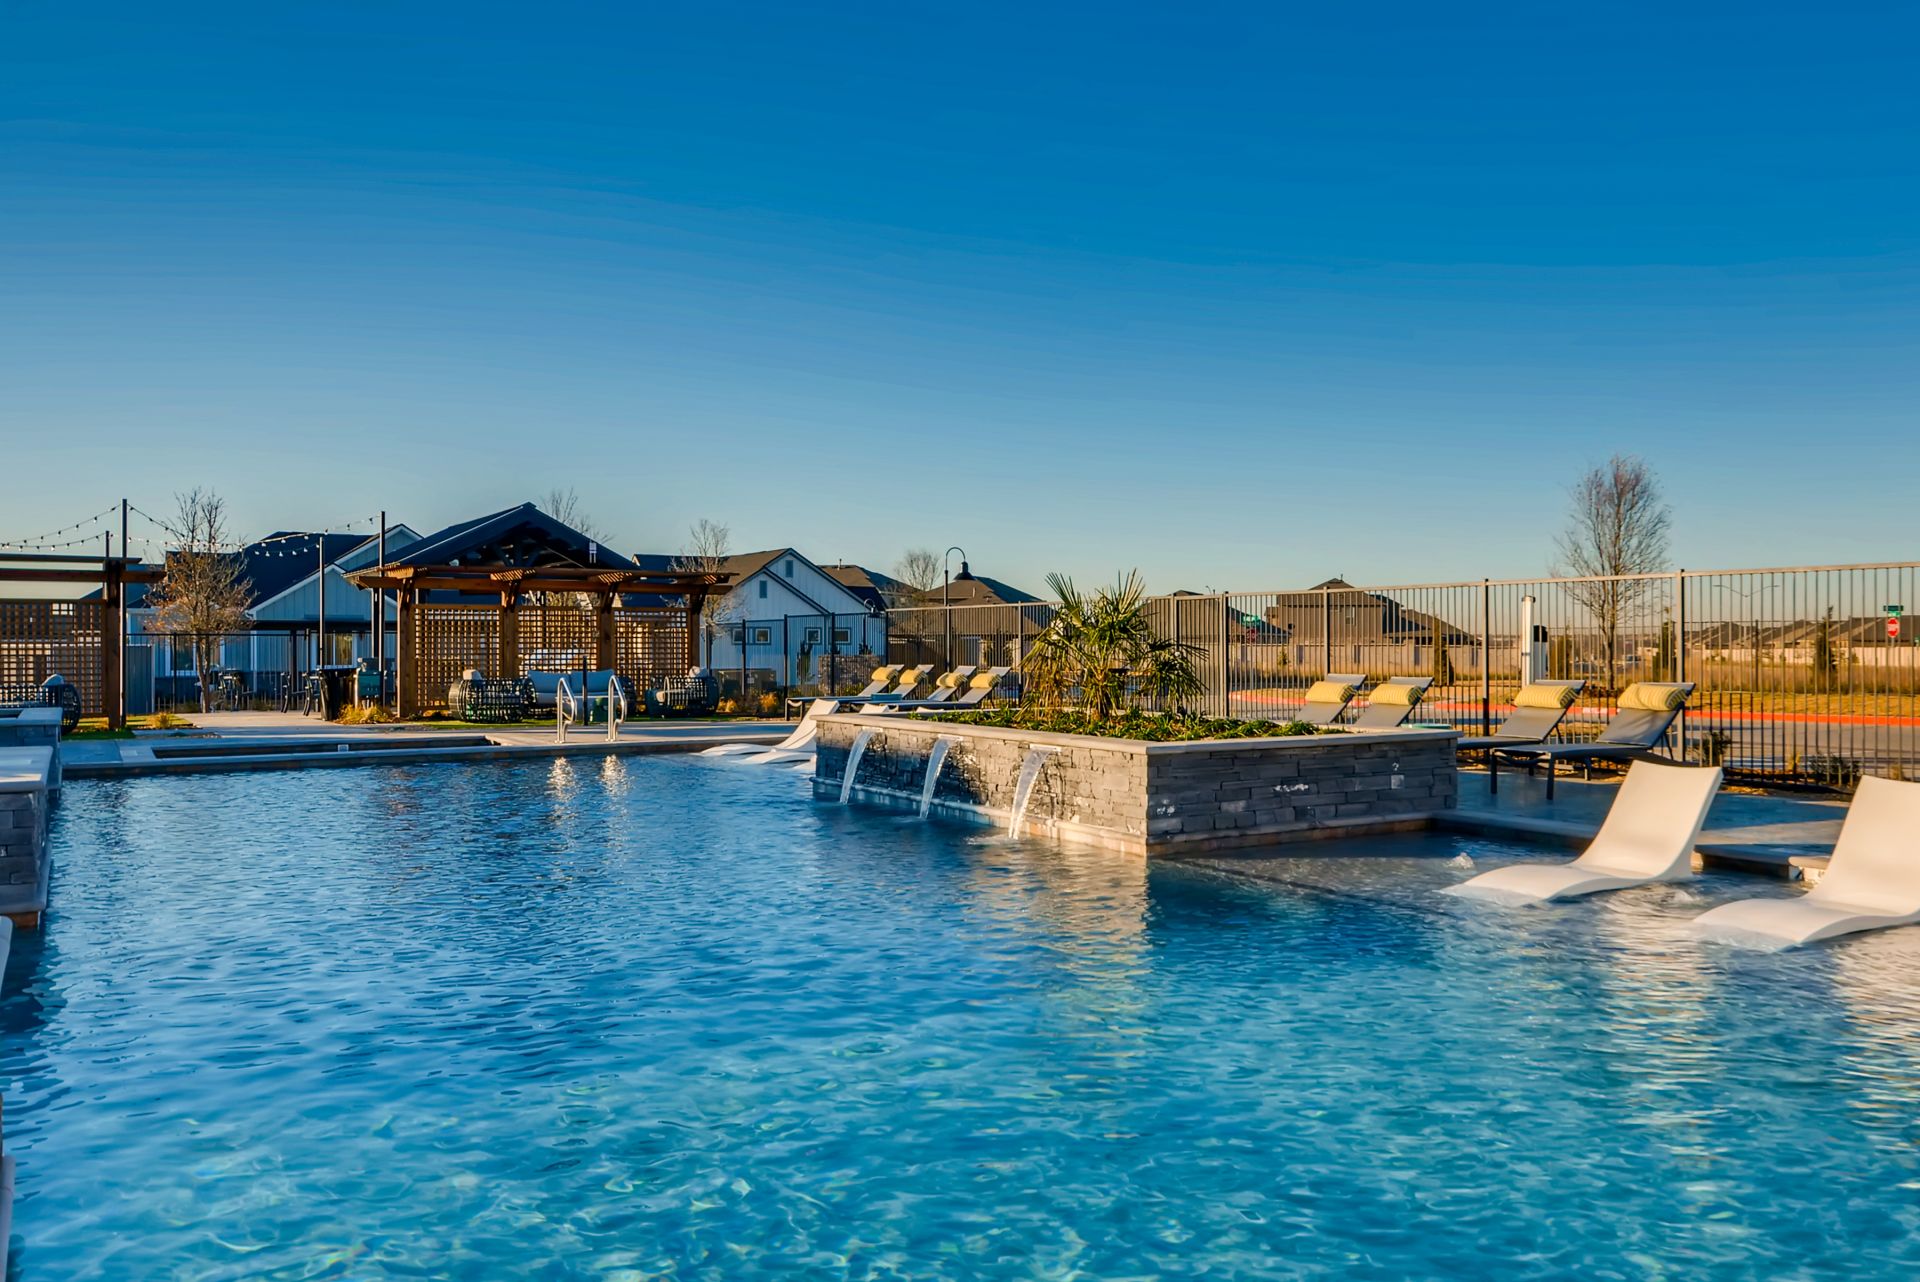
(1162,798)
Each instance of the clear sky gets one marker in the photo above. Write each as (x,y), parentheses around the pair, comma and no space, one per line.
(1242,295)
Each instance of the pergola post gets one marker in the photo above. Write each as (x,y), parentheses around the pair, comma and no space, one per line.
(113,653)
(606,644)
(406,675)
(509,633)
(696,606)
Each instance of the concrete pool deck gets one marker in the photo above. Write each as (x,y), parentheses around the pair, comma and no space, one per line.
(1767,833)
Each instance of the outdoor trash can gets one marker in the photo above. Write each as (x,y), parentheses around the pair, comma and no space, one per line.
(336,690)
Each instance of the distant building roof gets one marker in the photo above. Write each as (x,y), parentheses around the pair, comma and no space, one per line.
(878,590)
(979,590)
(522,536)
(285,557)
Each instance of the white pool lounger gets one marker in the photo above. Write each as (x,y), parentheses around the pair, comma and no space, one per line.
(1648,836)
(1872,881)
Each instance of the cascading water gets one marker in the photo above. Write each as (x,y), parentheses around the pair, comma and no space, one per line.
(935,760)
(854,754)
(1023,787)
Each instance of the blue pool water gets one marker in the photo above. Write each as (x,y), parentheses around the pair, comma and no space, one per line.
(671,1018)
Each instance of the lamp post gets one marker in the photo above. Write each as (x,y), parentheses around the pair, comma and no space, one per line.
(946,598)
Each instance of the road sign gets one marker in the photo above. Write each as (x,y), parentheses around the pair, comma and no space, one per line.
(1893,627)
(1896,610)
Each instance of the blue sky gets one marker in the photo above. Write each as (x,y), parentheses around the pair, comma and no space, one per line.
(1241,295)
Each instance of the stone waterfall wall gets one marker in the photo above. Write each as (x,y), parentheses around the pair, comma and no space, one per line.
(29,781)
(1159,799)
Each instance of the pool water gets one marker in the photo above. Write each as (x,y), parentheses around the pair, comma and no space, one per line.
(628,1019)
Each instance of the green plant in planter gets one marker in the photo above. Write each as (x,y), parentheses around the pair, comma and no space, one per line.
(1102,652)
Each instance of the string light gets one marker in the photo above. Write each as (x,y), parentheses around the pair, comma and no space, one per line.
(44,543)
(264,547)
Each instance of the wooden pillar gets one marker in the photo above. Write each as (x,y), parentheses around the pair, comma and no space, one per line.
(406,668)
(696,606)
(606,644)
(113,643)
(509,634)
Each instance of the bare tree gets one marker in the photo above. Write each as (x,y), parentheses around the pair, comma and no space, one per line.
(205,591)
(707,548)
(919,572)
(566,507)
(1618,526)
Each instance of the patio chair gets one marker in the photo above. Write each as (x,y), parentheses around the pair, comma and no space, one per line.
(1538,710)
(1327,699)
(882,678)
(950,684)
(1648,710)
(1390,703)
(1872,881)
(1648,836)
(910,680)
(979,688)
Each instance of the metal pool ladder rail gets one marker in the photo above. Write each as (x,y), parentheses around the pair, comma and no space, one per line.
(568,709)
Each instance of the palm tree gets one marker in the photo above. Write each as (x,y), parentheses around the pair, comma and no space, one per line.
(1103,652)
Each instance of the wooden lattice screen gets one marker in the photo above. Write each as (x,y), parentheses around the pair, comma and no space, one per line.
(447,640)
(557,638)
(40,638)
(652,646)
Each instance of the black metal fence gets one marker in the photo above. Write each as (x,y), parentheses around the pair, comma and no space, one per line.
(1804,674)
(760,662)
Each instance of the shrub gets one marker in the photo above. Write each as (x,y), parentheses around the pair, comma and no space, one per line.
(1151,727)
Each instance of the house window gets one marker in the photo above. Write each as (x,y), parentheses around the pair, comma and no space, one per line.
(763,636)
(740,634)
(842,636)
(789,567)
(813,636)
(763,589)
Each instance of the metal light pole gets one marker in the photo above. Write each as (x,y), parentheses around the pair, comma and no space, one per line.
(946,598)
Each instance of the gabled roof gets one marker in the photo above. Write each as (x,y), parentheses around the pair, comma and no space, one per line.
(979,590)
(522,536)
(1396,619)
(878,590)
(744,565)
(285,557)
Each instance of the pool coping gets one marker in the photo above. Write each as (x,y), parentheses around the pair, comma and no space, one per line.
(495,750)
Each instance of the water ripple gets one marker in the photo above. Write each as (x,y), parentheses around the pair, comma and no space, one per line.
(644,1019)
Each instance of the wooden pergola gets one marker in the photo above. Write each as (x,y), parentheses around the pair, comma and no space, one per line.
(113,574)
(508,585)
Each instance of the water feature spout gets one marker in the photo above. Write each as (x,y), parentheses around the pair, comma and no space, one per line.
(854,754)
(935,760)
(1023,787)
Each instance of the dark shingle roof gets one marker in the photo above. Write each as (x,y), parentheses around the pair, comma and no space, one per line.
(516,536)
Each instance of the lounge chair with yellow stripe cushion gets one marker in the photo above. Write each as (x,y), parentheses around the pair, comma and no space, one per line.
(1648,710)
(1327,699)
(1390,703)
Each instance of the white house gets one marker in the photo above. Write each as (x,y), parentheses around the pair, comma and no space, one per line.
(784,621)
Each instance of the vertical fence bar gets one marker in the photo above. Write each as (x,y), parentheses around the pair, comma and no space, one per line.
(1680,651)
(1486,657)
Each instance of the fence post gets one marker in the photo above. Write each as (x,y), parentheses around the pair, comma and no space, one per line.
(1680,650)
(1226,659)
(1486,657)
(1326,632)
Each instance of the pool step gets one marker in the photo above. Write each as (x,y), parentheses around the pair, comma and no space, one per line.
(284,747)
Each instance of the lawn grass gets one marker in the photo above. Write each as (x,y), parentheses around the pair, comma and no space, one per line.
(96,727)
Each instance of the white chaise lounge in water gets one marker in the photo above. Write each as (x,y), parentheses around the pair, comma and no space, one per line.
(1648,836)
(1872,881)
(801,738)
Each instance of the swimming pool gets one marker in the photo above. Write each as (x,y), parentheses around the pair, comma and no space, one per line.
(626,1018)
